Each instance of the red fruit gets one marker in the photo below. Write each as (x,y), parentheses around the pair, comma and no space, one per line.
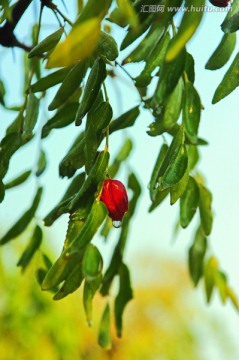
(220,3)
(114,196)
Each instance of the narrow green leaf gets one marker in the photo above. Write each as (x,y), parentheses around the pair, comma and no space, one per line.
(50,80)
(91,145)
(42,163)
(2,93)
(193,156)
(104,339)
(176,169)
(64,117)
(188,26)
(100,118)
(8,146)
(205,203)
(147,45)
(106,47)
(18,180)
(231,25)
(125,120)
(196,256)
(72,282)
(154,59)
(191,112)
(17,125)
(155,173)
(89,291)
(189,202)
(229,82)
(221,283)
(107,227)
(178,189)
(47,44)
(172,151)
(125,294)
(222,53)
(92,263)
(93,8)
(72,189)
(210,268)
(31,248)
(170,74)
(30,120)
(127,10)
(95,176)
(189,67)
(69,85)
(159,197)
(2,191)
(24,220)
(92,88)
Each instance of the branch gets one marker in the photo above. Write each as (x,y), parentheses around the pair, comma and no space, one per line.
(7,37)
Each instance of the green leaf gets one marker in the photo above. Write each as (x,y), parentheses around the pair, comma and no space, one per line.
(147,45)
(196,256)
(193,156)
(42,163)
(178,189)
(79,44)
(92,89)
(187,27)
(125,120)
(122,155)
(8,146)
(95,176)
(172,152)
(72,189)
(2,191)
(30,120)
(89,291)
(24,220)
(106,47)
(50,80)
(170,74)
(222,53)
(47,44)
(128,12)
(230,24)
(104,339)
(189,202)
(189,67)
(125,294)
(69,85)
(155,176)
(229,82)
(31,248)
(191,112)
(210,268)
(176,169)
(159,197)
(2,93)
(75,157)
(92,263)
(91,146)
(93,8)
(221,283)
(154,59)
(64,117)
(107,227)
(18,180)
(205,209)
(72,281)
(100,117)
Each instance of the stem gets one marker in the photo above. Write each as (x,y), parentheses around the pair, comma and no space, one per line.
(174,28)
(64,17)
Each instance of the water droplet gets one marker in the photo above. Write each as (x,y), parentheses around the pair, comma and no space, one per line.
(116,223)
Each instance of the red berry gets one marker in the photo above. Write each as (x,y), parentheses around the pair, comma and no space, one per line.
(114,196)
(220,3)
